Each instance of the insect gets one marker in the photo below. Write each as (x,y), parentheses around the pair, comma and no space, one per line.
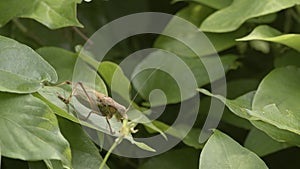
(106,106)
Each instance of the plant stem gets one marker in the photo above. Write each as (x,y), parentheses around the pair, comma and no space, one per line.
(125,130)
(116,143)
(82,35)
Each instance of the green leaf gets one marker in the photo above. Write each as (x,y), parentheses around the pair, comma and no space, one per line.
(235,89)
(29,130)
(262,144)
(280,87)
(175,159)
(267,33)
(84,153)
(195,14)
(143,146)
(242,108)
(53,13)
(50,97)
(12,8)
(140,117)
(114,77)
(191,139)
(276,133)
(221,151)
(285,120)
(233,16)
(63,62)
(147,80)
(237,106)
(22,70)
(216,4)
(279,108)
(275,113)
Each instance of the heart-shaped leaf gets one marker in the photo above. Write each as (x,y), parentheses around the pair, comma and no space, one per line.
(221,151)
(7,15)
(280,87)
(34,124)
(195,14)
(22,70)
(52,13)
(182,75)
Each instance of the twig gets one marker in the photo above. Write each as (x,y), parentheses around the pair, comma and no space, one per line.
(27,32)
(82,35)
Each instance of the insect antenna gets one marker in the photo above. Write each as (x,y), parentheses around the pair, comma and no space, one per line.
(137,92)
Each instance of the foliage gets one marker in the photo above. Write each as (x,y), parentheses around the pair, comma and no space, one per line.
(258,44)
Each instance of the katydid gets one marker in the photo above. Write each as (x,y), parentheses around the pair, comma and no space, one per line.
(106,105)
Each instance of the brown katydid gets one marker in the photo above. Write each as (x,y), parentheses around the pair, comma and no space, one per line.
(106,106)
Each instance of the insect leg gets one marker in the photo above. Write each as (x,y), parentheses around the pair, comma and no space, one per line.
(63,83)
(111,131)
(87,117)
(67,100)
(91,101)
